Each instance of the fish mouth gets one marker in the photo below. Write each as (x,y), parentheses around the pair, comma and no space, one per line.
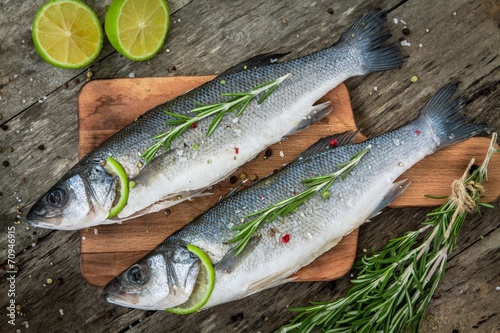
(35,219)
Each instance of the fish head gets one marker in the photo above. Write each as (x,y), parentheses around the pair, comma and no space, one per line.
(81,199)
(162,279)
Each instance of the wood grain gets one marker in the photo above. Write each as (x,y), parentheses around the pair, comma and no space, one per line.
(207,37)
(106,106)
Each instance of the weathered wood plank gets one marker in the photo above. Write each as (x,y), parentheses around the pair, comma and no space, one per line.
(24,77)
(210,36)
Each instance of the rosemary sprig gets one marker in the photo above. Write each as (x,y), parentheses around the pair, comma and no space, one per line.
(286,206)
(236,101)
(395,284)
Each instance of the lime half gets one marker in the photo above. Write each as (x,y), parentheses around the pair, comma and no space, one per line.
(137,28)
(114,168)
(67,33)
(204,286)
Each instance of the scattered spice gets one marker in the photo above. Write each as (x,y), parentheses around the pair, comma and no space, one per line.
(418,132)
(10,150)
(325,195)
(5,163)
(195,146)
(400,164)
(253,177)
(5,127)
(285,238)
(236,150)
(333,143)
(76,81)
(414,79)
(49,281)
(233,180)
(194,125)
(89,75)
(168,212)
(222,82)
(330,11)
(131,184)
(167,50)
(243,176)
(41,147)
(405,31)
(268,153)
(284,21)
(65,85)
(238,317)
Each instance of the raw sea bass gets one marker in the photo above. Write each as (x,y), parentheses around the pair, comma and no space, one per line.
(166,276)
(87,192)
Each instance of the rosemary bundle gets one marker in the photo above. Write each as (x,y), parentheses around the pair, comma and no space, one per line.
(395,284)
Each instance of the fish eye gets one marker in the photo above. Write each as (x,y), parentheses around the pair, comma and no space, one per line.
(135,275)
(57,197)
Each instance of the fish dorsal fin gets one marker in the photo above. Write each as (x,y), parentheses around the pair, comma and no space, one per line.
(316,113)
(257,61)
(232,191)
(394,192)
(329,142)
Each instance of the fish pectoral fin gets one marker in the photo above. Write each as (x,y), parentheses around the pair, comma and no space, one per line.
(231,261)
(329,142)
(166,202)
(394,192)
(271,281)
(316,113)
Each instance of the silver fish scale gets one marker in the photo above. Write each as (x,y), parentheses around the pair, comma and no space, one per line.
(308,73)
(351,202)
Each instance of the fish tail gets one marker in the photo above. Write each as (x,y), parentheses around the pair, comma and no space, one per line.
(445,114)
(368,34)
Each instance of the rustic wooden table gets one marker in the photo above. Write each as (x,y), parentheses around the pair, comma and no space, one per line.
(456,39)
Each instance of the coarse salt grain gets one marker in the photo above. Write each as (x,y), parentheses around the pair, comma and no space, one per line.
(131,74)
(84,238)
(61,312)
(282,153)
(405,43)
(96,232)
(395,20)
(375,88)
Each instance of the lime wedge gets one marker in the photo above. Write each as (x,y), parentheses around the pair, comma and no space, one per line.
(137,28)
(205,282)
(67,33)
(114,168)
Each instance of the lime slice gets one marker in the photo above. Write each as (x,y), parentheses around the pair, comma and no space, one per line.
(204,286)
(113,167)
(67,33)
(137,28)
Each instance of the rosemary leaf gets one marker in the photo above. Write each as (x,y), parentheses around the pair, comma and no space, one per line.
(180,123)
(395,284)
(288,205)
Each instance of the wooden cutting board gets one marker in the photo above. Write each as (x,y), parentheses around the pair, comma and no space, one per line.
(106,106)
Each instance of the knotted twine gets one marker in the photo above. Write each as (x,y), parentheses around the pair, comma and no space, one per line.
(463,194)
